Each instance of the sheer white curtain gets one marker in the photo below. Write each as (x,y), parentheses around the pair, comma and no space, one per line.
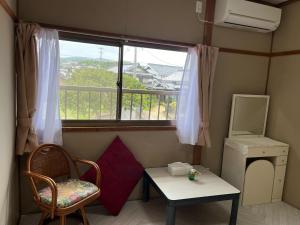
(195,99)
(46,120)
(188,115)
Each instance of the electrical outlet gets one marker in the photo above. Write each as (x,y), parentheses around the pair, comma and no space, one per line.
(199,7)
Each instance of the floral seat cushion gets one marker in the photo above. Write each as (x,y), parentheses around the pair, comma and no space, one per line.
(69,192)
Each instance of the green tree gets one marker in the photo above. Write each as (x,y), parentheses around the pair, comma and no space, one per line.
(92,104)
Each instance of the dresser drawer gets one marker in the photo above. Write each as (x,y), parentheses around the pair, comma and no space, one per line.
(278,182)
(284,151)
(267,152)
(280,160)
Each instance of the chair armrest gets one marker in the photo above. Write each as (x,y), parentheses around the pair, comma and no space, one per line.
(48,181)
(94,165)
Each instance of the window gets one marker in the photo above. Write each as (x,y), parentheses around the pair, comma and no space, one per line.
(88,82)
(151,83)
(118,82)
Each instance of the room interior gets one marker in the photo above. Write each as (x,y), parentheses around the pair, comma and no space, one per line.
(249,62)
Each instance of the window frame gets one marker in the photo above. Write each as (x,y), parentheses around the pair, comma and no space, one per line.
(118,122)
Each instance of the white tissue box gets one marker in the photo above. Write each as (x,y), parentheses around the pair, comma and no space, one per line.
(179,168)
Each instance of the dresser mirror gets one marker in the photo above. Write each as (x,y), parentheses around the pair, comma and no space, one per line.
(248,115)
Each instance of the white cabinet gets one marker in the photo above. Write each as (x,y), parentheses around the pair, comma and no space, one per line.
(256,166)
(252,162)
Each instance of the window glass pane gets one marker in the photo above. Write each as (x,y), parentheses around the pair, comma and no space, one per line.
(151,83)
(88,77)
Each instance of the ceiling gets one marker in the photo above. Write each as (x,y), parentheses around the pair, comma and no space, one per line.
(275,1)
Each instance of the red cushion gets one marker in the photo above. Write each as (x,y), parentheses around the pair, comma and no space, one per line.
(120,172)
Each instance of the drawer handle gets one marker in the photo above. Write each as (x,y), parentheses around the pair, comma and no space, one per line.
(282,160)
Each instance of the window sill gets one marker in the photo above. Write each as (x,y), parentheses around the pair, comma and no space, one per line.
(118,128)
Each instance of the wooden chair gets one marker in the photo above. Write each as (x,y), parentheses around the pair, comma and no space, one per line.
(49,163)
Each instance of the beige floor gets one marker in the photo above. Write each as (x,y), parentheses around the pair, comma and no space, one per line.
(153,213)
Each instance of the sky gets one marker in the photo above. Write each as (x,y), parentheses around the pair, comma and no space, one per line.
(144,55)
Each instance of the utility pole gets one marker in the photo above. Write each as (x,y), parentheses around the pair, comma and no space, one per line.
(100,56)
(135,62)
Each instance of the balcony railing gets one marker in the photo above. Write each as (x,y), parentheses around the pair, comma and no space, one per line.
(94,103)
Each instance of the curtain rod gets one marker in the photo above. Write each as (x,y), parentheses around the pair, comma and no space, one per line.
(146,40)
(117,36)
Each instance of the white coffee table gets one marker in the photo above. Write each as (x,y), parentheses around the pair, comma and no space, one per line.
(179,190)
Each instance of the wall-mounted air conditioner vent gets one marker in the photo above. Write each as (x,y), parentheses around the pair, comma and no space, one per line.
(247,15)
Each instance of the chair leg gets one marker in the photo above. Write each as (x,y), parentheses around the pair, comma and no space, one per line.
(63,220)
(84,217)
(43,217)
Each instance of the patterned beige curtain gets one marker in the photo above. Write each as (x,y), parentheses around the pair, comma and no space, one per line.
(26,71)
(207,64)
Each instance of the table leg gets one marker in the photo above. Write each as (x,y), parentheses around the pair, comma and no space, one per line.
(171,214)
(234,210)
(146,188)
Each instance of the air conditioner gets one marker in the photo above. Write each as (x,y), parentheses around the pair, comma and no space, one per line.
(247,15)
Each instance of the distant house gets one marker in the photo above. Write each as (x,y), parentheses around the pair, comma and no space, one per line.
(164,70)
(154,76)
(174,80)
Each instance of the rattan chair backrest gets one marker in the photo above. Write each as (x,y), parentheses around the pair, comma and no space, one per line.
(49,160)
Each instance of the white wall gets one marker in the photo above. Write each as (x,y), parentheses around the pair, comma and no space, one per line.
(8,185)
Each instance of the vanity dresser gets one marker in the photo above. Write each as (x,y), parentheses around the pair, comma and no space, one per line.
(253,163)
